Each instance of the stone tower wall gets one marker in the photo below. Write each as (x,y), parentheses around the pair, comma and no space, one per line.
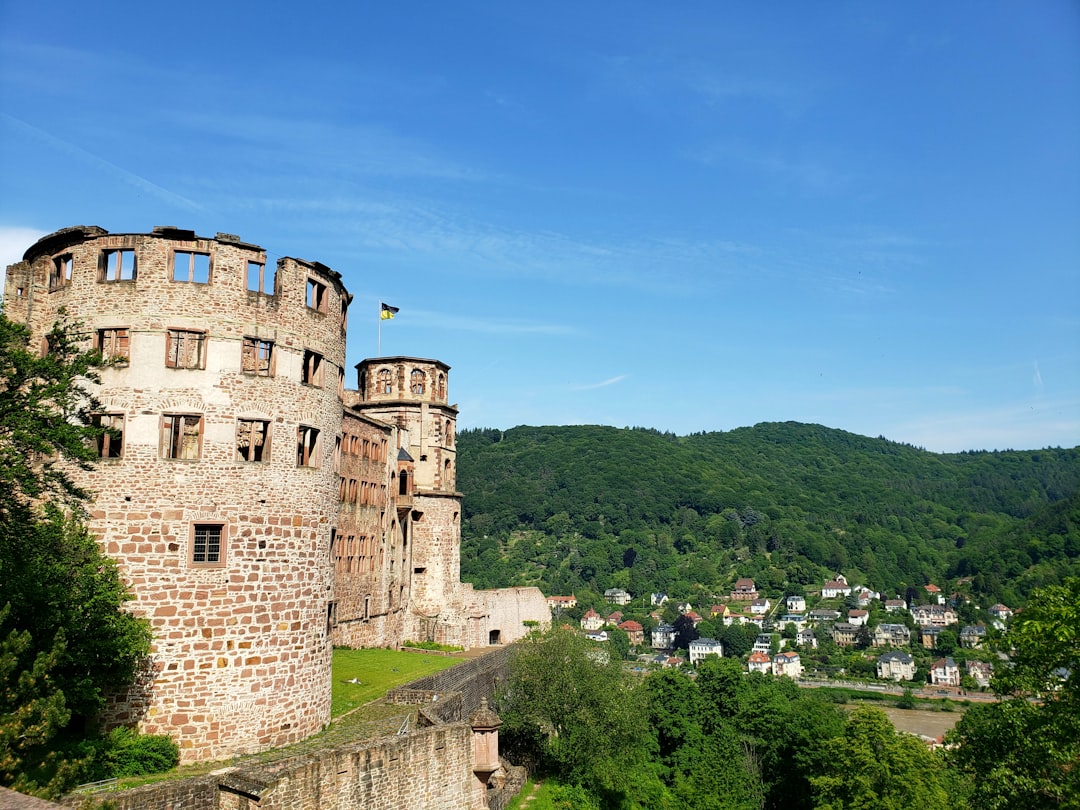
(241,646)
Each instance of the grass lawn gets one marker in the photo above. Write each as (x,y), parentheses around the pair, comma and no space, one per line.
(377,671)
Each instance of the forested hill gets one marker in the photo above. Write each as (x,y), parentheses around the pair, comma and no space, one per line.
(580,509)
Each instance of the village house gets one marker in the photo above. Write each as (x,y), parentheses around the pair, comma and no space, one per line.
(844,634)
(896,666)
(864,596)
(592,620)
(759,662)
(562,602)
(719,610)
(617,596)
(658,599)
(760,606)
(795,604)
(933,592)
(694,617)
(858,617)
(933,615)
(824,615)
(744,591)
(1000,614)
(663,636)
(928,636)
(944,672)
(635,631)
(981,671)
(835,588)
(787,663)
(895,605)
(797,619)
(972,636)
(702,647)
(806,638)
(891,635)
(763,643)
(614,618)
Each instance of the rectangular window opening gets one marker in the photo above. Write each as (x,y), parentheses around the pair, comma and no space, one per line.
(252,440)
(114,345)
(191,267)
(110,444)
(316,295)
(60,274)
(184,349)
(118,265)
(307,446)
(312,373)
(181,437)
(206,545)
(257,357)
(261,279)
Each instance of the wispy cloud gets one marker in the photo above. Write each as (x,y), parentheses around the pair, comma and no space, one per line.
(444,322)
(124,175)
(604,384)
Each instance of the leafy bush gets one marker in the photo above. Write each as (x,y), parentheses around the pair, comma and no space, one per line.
(126,752)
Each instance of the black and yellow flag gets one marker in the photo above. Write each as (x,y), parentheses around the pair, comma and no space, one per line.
(387,312)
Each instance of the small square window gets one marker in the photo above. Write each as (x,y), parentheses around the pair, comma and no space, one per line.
(191,267)
(185,349)
(181,437)
(208,543)
(110,444)
(114,345)
(257,357)
(307,446)
(261,279)
(118,265)
(252,440)
(312,372)
(316,295)
(60,273)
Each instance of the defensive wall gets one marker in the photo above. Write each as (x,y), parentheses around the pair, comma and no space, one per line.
(431,767)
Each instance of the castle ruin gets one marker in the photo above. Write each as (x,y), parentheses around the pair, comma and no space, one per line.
(259,510)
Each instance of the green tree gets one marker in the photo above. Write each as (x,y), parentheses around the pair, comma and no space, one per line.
(592,721)
(872,766)
(1023,751)
(619,644)
(65,639)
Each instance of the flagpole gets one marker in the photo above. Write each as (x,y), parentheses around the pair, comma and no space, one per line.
(378,352)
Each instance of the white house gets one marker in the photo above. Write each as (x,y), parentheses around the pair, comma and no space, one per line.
(787,663)
(663,636)
(835,588)
(617,596)
(760,606)
(896,666)
(592,620)
(759,662)
(945,672)
(702,647)
(795,604)
(858,617)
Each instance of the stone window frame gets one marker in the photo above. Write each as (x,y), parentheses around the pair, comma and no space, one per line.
(317,295)
(110,446)
(114,273)
(258,357)
(313,370)
(171,433)
(194,266)
(384,381)
(246,425)
(417,381)
(175,338)
(222,536)
(60,272)
(308,446)
(114,343)
(262,277)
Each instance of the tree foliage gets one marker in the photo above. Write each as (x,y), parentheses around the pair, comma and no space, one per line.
(65,639)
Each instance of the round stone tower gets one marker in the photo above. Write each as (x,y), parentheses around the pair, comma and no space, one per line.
(217,489)
(410,394)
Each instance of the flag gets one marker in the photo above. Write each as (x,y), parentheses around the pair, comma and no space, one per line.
(387,312)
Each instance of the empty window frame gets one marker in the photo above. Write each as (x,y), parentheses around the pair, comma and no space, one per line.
(191,266)
(118,265)
(384,381)
(312,372)
(114,344)
(181,436)
(417,381)
(110,444)
(60,272)
(252,440)
(261,279)
(185,348)
(257,357)
(307,446)
(316,295)
(207,543)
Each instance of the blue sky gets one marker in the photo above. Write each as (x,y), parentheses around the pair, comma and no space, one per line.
(692,216)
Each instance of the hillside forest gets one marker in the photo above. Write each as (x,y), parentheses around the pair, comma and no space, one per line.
(580,509)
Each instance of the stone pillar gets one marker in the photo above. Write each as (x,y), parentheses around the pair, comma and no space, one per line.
(485,725)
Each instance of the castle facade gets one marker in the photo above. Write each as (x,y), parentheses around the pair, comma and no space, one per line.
(259,511)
